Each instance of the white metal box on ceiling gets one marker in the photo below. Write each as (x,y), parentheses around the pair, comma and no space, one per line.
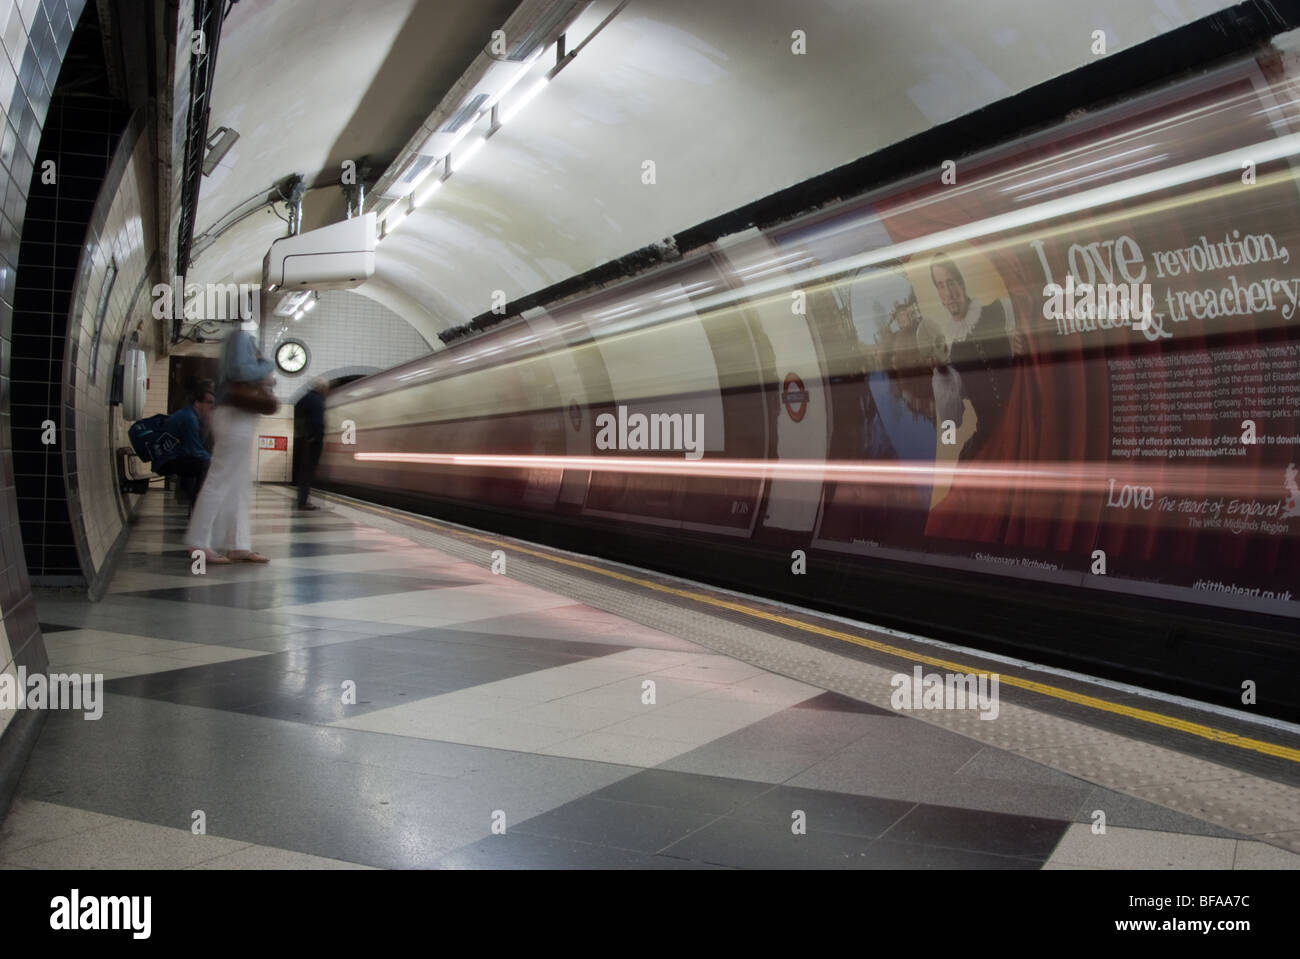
(335,257)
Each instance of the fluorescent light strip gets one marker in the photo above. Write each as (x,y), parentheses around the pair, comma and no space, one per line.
(505,116)
(459,162)
(510,84)
(422,198)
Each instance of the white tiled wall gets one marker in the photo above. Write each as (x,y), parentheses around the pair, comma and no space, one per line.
(346,333)
(128,237)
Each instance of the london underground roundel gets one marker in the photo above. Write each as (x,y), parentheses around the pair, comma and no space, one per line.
(795,397)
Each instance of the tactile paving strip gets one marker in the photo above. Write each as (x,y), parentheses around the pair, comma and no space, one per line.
(1261,808)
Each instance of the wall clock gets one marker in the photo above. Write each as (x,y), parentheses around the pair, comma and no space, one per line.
(291,357)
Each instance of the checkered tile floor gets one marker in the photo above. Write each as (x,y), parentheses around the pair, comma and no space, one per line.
(365,701)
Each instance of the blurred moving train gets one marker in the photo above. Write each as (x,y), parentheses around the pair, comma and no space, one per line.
(1043,401)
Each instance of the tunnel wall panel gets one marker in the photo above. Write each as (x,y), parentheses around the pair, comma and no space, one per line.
(34,37)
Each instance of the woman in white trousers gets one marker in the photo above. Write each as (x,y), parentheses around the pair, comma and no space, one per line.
(220,520)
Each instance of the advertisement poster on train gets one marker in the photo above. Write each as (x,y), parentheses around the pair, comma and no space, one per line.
(1127,352)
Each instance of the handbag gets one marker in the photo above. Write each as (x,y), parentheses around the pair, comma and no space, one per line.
(252,397)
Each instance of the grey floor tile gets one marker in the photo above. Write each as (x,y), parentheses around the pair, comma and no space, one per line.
(756,765)
(658,787)
(992,763)
(607,822)
(747,844)
(885,854)
(1122,810)
(999,834)
(804,731)
(837,813)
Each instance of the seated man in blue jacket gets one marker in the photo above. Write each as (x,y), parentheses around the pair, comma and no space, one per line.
(183,454)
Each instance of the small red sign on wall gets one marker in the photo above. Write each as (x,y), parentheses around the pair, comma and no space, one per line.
(273,442)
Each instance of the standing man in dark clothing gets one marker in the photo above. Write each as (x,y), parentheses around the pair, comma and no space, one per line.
(310,415)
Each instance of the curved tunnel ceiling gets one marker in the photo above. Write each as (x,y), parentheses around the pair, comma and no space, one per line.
(710,92)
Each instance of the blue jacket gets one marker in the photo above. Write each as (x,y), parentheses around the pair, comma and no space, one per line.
(240,361)
(183,427)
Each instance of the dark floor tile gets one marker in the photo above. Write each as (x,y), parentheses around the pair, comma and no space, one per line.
(305,684)
(306,524)
(661,787)
(837,702)
(238,695)
(606,822)
(884,854)
(157,685)
(516,850)
(332,549)
(671,862)
(1002,834)
(824,811)
(745,844)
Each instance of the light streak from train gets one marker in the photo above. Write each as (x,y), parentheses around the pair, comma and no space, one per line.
(1164,480)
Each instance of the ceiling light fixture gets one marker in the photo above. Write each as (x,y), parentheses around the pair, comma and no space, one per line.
(218,145)
(467,117)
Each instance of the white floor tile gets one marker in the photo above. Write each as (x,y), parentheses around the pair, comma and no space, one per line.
(1123,848)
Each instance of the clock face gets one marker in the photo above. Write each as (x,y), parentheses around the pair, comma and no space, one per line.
(291,356)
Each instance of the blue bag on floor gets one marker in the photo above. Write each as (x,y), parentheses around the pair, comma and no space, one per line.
(148,439)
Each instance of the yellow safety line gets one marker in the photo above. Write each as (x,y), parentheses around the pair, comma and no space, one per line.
(1144,715)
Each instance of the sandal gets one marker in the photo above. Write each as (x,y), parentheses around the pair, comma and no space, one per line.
(209,557)
(247,556)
